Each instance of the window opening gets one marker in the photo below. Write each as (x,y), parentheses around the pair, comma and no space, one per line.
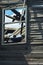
(14,27)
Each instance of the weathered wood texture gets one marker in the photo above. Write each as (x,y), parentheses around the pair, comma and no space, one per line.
(30,53)
(0,24)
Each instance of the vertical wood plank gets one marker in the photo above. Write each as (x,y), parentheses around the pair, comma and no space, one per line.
(0,25)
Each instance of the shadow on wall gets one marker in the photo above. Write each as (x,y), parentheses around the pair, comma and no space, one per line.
(14,57)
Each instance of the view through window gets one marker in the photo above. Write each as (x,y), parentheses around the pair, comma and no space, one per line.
(14,26)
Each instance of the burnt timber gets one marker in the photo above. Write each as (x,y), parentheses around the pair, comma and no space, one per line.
(30,53)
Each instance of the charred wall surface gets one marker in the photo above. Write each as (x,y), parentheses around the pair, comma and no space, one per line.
(30,53)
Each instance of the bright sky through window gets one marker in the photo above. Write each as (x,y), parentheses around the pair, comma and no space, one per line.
(10,13)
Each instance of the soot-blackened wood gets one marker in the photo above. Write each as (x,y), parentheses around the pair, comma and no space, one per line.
(28,27)
(0,25)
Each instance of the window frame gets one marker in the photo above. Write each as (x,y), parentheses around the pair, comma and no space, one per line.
(3,21)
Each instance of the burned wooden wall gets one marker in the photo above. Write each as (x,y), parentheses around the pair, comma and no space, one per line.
(30,53)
